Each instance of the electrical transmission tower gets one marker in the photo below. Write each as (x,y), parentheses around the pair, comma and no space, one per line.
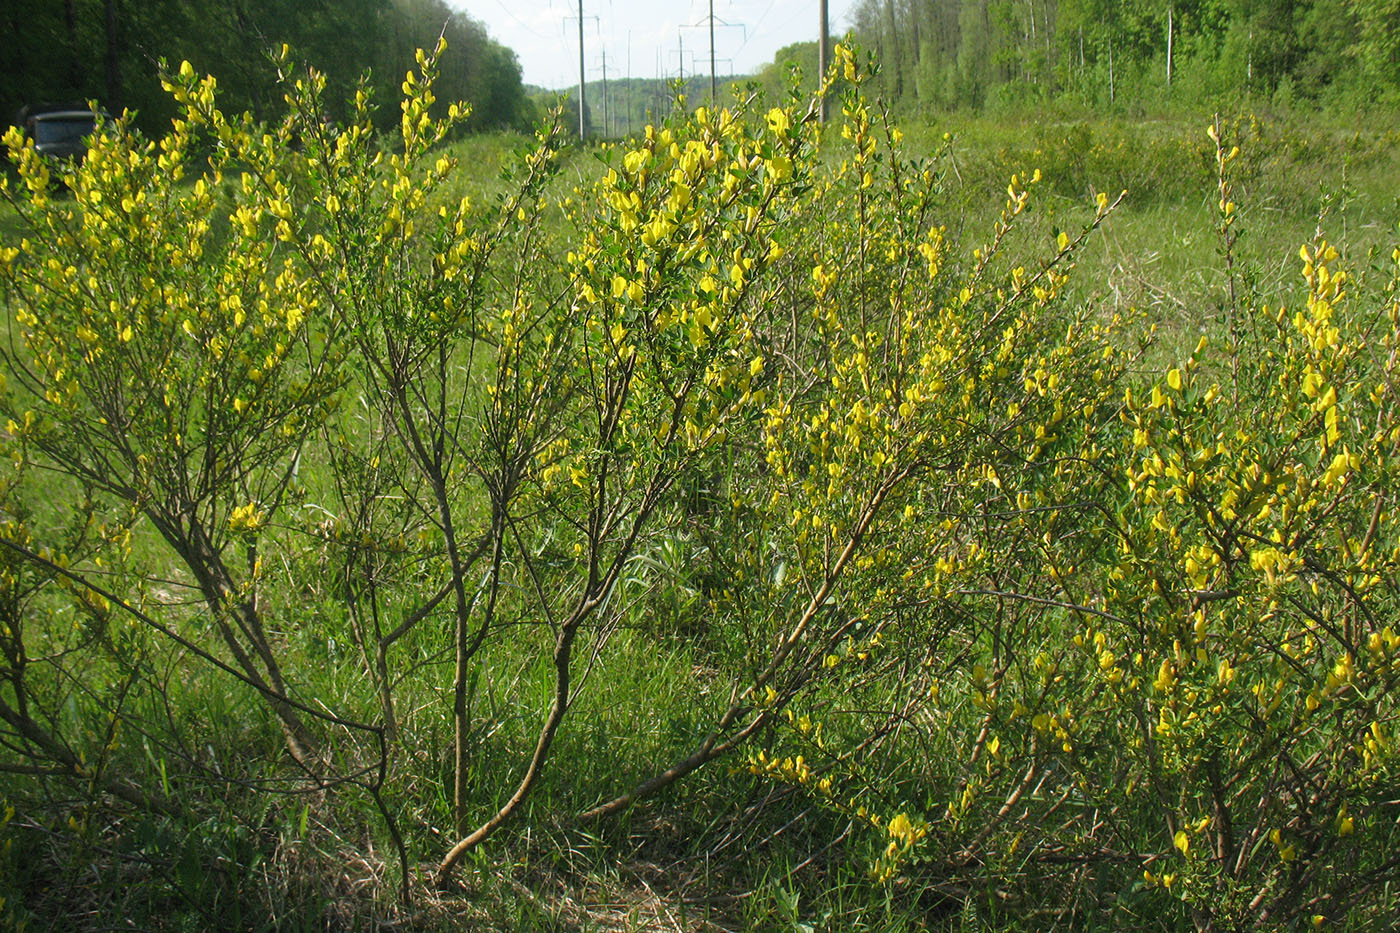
(710,22)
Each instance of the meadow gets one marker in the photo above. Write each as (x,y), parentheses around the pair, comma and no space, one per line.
(965,525)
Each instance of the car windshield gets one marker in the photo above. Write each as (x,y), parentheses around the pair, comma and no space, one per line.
(62,130)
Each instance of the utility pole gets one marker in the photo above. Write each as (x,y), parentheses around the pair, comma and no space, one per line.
(582,102)
(823,53)
(658,86)
(709,23)
(607,128)
(582,129)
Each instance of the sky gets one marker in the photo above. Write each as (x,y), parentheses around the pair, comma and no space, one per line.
(644,36)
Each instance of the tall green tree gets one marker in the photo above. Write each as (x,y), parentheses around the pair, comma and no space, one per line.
(960,52)
(1378,42)
(111,51)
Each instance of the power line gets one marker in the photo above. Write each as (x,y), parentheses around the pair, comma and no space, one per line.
(750,35)
(523,25)
(710,22)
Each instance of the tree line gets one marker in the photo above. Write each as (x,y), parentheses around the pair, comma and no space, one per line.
(950,53)
(110,51)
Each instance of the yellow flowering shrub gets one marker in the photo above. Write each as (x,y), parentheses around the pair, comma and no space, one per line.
(1048,631)
(1154,645)
(335,403)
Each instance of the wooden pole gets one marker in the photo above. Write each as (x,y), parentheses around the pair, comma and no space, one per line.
(582,129)
(713,91)
(823,53)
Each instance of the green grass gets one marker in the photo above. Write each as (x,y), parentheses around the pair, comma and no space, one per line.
(1160,254)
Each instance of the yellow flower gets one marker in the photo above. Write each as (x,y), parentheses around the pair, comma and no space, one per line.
(246,518)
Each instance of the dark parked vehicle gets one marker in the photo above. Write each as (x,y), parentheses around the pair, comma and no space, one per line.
(62,134)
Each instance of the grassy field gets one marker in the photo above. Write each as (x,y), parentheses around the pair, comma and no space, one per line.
(995,617)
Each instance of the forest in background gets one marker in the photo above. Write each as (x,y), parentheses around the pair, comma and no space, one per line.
(936,55)
(110,51)
(1018,56)
(944,54)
